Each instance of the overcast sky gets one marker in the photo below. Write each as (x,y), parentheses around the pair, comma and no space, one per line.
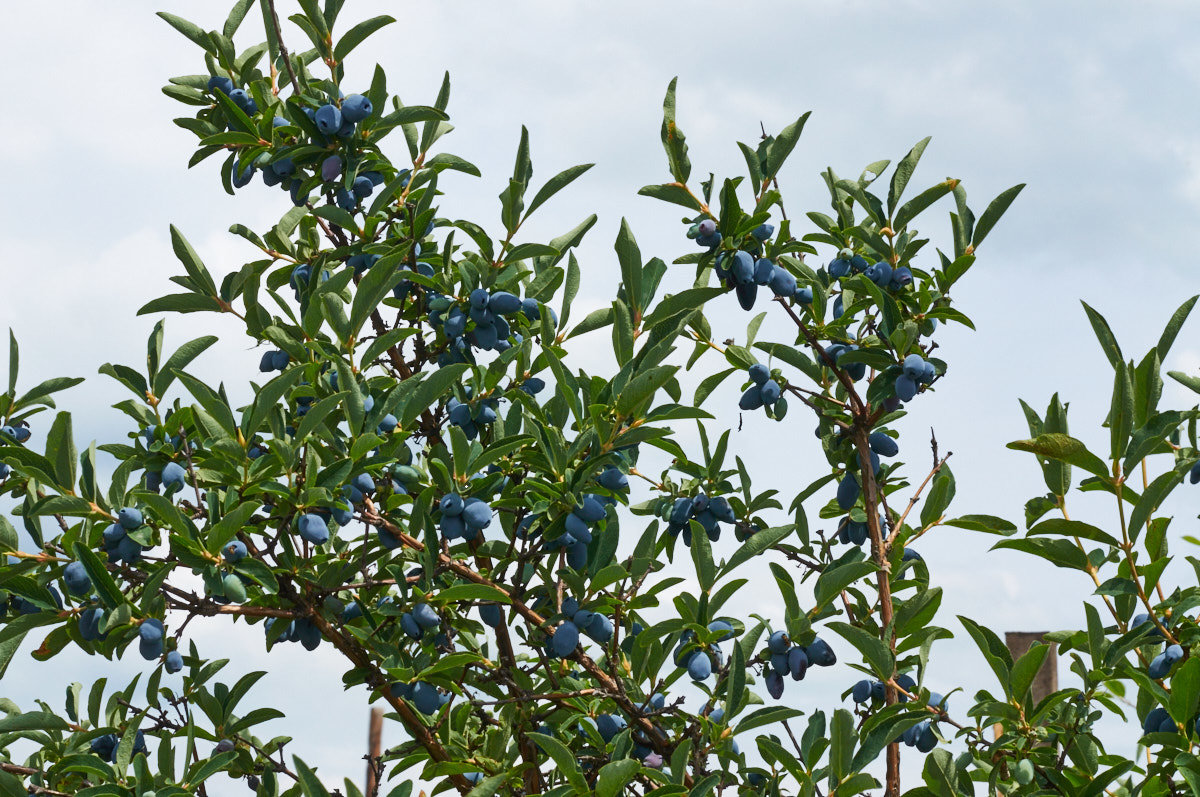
(1089,103)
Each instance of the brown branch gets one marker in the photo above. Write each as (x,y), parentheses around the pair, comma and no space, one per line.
(916,497)
(283,52)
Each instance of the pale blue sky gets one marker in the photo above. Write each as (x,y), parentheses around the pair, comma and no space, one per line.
(1091,104)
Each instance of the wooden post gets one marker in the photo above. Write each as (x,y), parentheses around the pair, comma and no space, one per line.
(374,744)
(1046,680)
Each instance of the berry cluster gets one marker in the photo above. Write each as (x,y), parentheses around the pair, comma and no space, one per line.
(470,416)
(708,512)
(873,691)
(422,618)
(426,697)
(302,630)
(915,371)
(117,543)
(786,658)
(463,519)
(834,353)
(333,123)
(880,273)
(16,432)
(701,660)
(764,392)
(171,478)
(106,746)
(563,641)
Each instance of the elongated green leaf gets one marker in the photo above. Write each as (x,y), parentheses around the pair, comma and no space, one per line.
(1152,498)
(357,34)
(782,146)
(309,783)
(873,649)
(1173,325)
(673,140)
(568,767)
(993,213)
(1064,448)
(179,360)
(1104,334)
(191,263)
(831,583)
(32,721)
(910,209)
(985,523)
(190,30)
(1025,669)
(102,581)
(555,184)
(760,541)
(181,303)
(1073,528)
(675,193)
(430,390)
(614,776)
(903,173)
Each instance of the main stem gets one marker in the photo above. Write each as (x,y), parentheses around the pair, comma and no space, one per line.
(879,547)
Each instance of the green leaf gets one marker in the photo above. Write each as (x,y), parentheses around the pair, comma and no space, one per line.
(1173,326)
(179,360)
(994,651)
(190,30)
(903,173)
(673,139)
(102,581)
(308,780)
(706,571)
(675,193)
(939,773)
(430,390)
(768,715)
(1120,414)
(910,209)
(993,213)
(555,184)
(267,398)
(873,649)
(32,721)
(760,541)
(1025,669)
(472,592)
(782,146)
(191,263)
(529,250)
(939,497)
(14,359)
(643,387)
(614,776)
(1185,691)
(1073,528)
(1153,497)
(630,259)
(1104,334)
(1064,448)
(1060,553)
(357,34)
(985,523)
(60,449)
(565,760)
(835,579)
(181,303)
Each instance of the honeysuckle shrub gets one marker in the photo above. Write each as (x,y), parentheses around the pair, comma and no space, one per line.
(427,481)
